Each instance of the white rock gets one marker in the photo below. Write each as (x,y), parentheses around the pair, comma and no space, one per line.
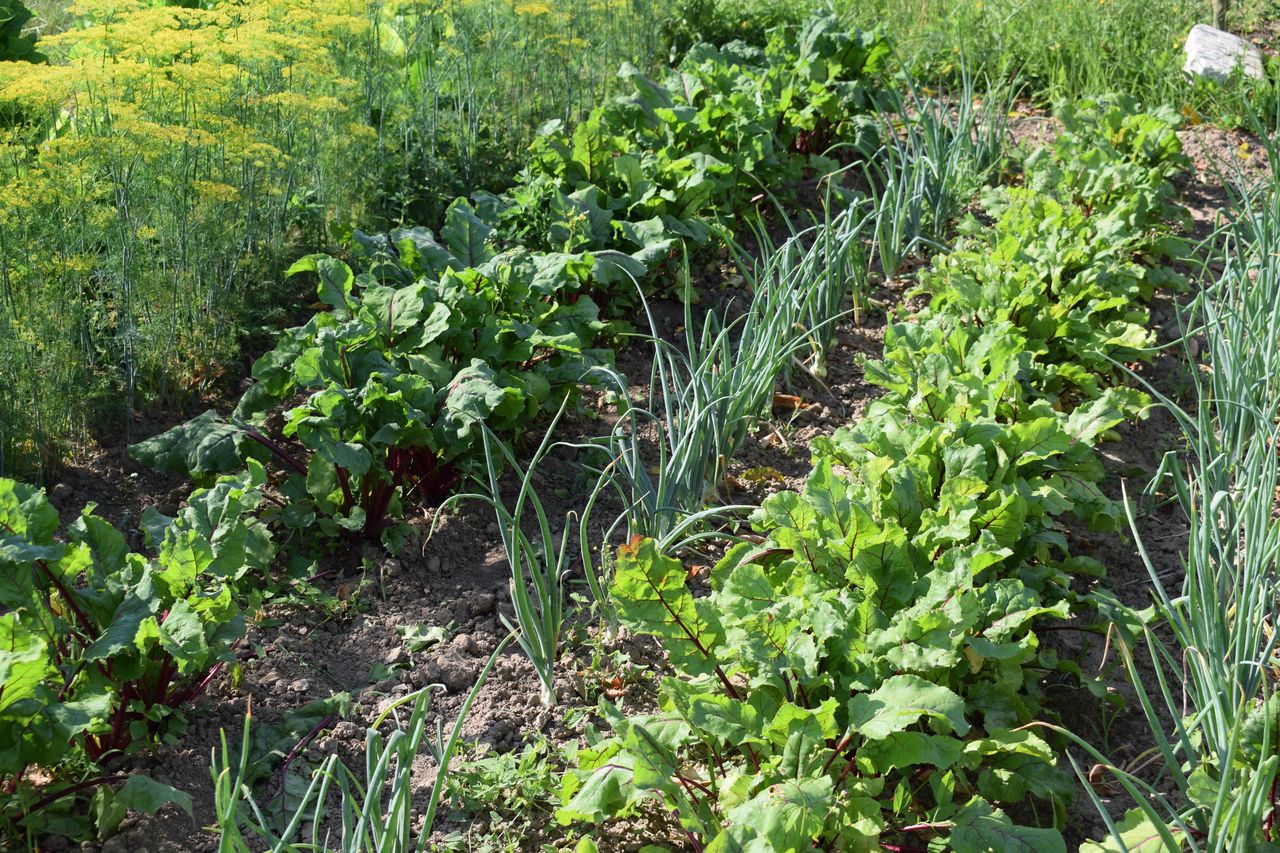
(1215,54)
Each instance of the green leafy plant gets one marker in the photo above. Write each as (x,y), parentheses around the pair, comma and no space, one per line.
(15,45)
(400,372)
(520,783)
(865,673)
(103,646)
(729,127)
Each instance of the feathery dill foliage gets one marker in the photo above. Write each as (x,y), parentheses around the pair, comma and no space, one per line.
(168,162)
(150,172)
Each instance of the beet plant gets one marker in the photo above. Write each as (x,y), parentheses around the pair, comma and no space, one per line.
(102,647)
(377,402)
(866,672)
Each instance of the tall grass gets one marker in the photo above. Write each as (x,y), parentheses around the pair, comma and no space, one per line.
(1057,48)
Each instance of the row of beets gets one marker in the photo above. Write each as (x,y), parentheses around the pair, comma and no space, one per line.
(866,673)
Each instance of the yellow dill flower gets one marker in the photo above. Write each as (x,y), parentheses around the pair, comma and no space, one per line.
(216,191)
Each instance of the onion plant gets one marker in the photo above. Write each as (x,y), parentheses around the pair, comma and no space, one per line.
(937,152)
(821,266)
(1212,639)
(539,565)
(703,401)
(375,812)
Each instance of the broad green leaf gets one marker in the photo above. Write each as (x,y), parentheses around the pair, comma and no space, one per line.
(144,794)
(206,444)
(1137,835)
(466,234)
(336,280)
(902,701)
(24,660)
(981,829)
(908,749)
(650,594)
(786,816)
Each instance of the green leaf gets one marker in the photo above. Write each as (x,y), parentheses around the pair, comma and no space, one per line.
(24,660)
(908,749)
(900,702)
(336,281)
(122,633)
(786,816)
(144,794)
(650,593)
(473,396)
(466,234)
(981,829)
(1138,834)
(182,636)
(206,444)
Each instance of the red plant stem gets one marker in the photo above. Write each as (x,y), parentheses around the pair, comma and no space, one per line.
(157,693)
(73,789)
(693,842)
(99,746)
(839,748)
(344,481)
(800,691)
(194,690)
(277,451)
(85,625)
(845,772)
(297,750)
(701,787)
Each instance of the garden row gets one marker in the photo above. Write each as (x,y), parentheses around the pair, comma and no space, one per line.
(866,673)
(379,401)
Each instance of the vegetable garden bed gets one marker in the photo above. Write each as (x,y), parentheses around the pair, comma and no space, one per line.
(735,570)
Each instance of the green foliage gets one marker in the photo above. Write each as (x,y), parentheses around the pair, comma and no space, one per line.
(153,196)
(1067,264)
(1212,704)
(690,22)
(437,338)
(937,152)
(864,673)
(103,646)
(1052,48)
(14,45)
(732,123)
(520,783)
